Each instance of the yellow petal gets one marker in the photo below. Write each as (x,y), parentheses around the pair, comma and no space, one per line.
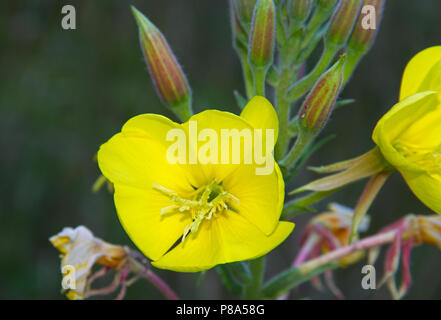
(420,71)
(134,159)
(217,122)
(260,113)
(426,187)
(139,213)
(260,196)
(224,239)
(403,123)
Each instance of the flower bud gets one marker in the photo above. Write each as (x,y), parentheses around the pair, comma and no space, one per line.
(167,75)
(240,37)
(326,4)
(342,21)
(262,34)
(320,101)
(245,9)
(363,37)
(300,9)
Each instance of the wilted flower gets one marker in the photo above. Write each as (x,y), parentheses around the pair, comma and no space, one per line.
(326,232)
(224,211)
(329,231)
(80,252)
(410,231)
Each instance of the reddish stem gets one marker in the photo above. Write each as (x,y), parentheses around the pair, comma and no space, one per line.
(161,285)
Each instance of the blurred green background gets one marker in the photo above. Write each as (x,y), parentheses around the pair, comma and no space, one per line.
(63,93)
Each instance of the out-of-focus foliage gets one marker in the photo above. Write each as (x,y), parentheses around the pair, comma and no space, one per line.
(63,93)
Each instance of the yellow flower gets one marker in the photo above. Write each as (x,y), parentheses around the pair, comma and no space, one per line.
(223,212)
(409,135)
(80,251)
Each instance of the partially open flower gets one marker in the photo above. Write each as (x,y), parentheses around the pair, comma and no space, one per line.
(409,135)
(80,252)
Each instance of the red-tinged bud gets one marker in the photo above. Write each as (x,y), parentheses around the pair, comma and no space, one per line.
(262,34)
(167,75)
(320,101)
(245,9)
(343,21)
(299,10)
(368,22)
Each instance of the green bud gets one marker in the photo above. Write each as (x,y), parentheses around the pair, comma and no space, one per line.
(363,36)
(326,4)
(245,9)
(342,21)
(240,37)
(299,10)
(262,34)
(320,101)
(167,75)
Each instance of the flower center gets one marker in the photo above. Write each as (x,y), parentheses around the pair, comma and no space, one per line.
(428,159)
(203,203)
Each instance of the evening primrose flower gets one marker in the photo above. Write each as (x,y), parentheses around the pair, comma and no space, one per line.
(408,139)
(409,135)
(189,216)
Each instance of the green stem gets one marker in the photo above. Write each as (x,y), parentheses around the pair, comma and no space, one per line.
(354,57)
(303,86)
(183,110)
(259,80)
(283,109)
(247,75)
(257,268)
(303,140)
(318,19)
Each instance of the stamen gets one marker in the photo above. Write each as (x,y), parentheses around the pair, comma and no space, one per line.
(428,159)
(204,203)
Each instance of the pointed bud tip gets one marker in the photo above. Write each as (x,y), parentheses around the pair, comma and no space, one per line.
(167,75)
(320,101)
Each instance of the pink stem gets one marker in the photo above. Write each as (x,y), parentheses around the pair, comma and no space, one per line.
(160,284)
(373,241)
(306,249)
